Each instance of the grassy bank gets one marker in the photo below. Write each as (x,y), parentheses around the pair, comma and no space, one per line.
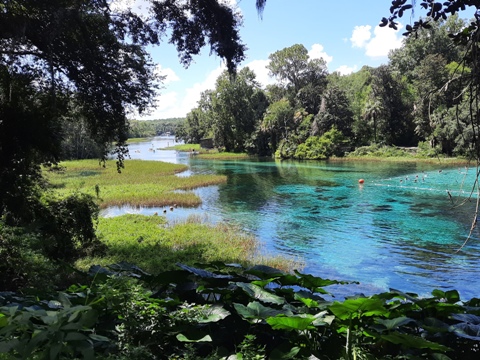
(148,241)
(212,154)
(154,245)
(141,183)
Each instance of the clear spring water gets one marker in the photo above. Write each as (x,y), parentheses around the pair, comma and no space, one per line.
(401,229)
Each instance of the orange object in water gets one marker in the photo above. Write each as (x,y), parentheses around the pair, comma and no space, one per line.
(361,181)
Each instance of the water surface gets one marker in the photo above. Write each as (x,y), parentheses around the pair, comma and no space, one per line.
(400,229)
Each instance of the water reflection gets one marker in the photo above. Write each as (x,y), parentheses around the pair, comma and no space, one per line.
(399,229)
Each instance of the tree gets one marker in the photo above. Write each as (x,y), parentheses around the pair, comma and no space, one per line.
(466,37)
(393,124)
(372,113)
(334,112)
(53,50)
(277,122)
(302,79)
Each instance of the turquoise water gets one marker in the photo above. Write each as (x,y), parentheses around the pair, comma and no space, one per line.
(400,229)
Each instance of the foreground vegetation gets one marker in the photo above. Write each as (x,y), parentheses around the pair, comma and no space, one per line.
(221,311)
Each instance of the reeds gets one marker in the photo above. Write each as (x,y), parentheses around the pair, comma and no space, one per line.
(141,183)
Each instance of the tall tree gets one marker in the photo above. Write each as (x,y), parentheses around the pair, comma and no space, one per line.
(335,112)
(303,79)
(51,50)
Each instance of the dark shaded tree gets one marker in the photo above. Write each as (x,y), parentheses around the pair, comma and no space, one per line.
(51,51)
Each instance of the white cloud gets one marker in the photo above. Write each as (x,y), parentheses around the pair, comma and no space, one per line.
(384,39)
(260,69)
(169,74)
(172,104)
(360,36)
(345,70)
(317,52)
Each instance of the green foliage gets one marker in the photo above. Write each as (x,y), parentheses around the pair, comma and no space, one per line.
(220,311)
(24,265)
(377,150)
(150,128)
(321,147)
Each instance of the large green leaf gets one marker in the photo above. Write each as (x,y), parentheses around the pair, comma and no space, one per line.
(411,341)
(392,324)
(214,314)
(452,296)
(256,310)
(358,307)
(298,323)
(467,330)
(259,293)
(194,337)
(3,320)
(203,273)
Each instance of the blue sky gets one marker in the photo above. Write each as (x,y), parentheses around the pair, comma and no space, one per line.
(344,33)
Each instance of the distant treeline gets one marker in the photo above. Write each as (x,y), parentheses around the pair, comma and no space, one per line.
(418,99)
(147,128)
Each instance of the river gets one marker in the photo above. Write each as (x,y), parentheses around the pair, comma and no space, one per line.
(402,228)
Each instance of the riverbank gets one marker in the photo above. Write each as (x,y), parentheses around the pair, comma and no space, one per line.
(149,241)
(140,184)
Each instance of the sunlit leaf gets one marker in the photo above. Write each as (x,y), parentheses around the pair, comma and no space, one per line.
(214,314)
(259,293)
(298,323)
(358,307)
(256,310)
(204,338)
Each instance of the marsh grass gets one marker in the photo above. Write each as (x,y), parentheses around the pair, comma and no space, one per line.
(183,147)
(152,244)
(149,241)
(222,155)
(141,183)
(213,154)
(138,140)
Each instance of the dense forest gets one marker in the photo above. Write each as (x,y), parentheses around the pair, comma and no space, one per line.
(141,128)
(417,99)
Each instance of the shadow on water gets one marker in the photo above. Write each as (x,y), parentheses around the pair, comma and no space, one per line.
(397,230)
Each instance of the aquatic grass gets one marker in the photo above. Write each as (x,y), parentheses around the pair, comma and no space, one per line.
(141,183)
(138,140)
(183,147)
(218,155)
(402,159)
(153,245)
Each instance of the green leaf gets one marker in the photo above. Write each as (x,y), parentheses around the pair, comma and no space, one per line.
(259,293)
(452,296)
(469,318)
(183,338)
(214,314)
(323,318)
(298,323)
(392,324)
(358,307)
(96,337)
(314,283)
(3,320)
(255,310)
(411,341)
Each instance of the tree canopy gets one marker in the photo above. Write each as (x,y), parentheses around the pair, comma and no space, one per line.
(85,59)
